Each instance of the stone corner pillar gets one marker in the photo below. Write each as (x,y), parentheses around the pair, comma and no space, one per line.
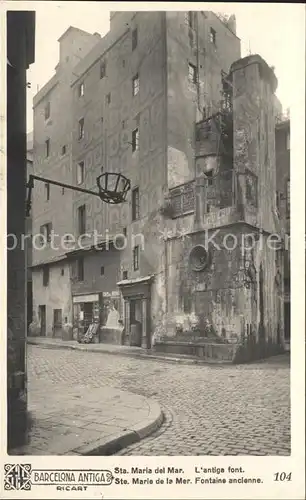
(20,53)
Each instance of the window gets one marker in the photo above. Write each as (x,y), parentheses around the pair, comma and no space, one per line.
(125,275)
(136,258)
(102,270)
(63,190)
(108,98)
(124,231)
(288,197)
(212,36)
(62,271)
(80,172)
(135,85)
(47,147)
(135,204)
(46,276)
(46,232)
(102,69)
(135,139)
(47,191)
(82,220)
(64,150)
(189,19)
(80,269)
(134,39)
(81,128)
(192,73)
(209,176)
(288,140)
(123,124)
(81,89)
(277,200)
(47,110)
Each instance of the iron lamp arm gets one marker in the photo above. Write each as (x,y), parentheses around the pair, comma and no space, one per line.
(30,186)
(106,195)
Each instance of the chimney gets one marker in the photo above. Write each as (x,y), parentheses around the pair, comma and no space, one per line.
(232,23)
(254,84)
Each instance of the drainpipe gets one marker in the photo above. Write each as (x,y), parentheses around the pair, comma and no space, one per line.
(198,64)
(166,267)
(166,276)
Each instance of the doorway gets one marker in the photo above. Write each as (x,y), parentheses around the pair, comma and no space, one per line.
(42,320)
(57,322)
(287,321)
(135,311)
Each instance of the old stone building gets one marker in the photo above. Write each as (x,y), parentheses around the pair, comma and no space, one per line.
(52,205)
(164,99)
(282,145)
(28,241)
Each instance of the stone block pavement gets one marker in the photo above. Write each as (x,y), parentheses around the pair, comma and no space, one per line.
(121,350)
(208,409)
(78,420)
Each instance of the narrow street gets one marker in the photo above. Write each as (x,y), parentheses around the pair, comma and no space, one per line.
(209,410)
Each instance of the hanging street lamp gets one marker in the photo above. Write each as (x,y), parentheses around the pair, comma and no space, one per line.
(112,188)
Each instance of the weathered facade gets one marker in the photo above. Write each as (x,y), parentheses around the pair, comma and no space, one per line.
(282,146)
(28,241)
(20,54)
(165,99)
(52,205)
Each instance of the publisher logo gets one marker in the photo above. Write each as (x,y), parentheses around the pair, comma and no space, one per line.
(17,477)
(23,477)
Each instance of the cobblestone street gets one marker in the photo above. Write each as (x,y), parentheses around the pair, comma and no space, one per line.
(209,410)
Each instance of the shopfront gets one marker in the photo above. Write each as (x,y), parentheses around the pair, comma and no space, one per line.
(87,309)
(137,308)
(102,308)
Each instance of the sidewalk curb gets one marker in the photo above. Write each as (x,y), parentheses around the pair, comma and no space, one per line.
(167,359)
(122,440)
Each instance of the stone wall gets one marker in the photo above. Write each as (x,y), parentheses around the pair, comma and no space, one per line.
(237,298)
(57,295)
(20,54)
(94,281)
(57,128)
(108,137)
(254,84)
(187,100)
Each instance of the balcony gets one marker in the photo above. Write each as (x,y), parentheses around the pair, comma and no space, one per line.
(217,192)
(182,200)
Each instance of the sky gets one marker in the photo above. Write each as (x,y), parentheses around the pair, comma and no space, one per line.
(275,31)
